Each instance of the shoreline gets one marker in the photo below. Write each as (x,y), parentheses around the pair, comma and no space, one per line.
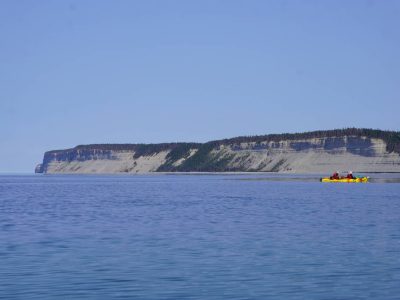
(197,173)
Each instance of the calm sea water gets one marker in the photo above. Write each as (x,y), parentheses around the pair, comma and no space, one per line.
(198,237)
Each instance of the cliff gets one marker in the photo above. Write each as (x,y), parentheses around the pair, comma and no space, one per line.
(360,150)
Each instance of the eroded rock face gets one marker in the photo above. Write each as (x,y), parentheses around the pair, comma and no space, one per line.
(93,159)
(317,155)
(39,168)
(311,154)
(118,162)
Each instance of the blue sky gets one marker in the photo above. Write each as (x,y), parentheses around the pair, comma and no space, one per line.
(78,72)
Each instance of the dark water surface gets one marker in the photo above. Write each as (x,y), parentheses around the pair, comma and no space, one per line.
(197,237)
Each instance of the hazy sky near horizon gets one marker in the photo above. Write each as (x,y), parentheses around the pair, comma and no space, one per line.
(79,72)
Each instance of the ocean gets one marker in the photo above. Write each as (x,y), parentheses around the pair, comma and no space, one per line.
(204,236)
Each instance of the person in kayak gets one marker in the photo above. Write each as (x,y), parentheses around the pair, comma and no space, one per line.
(350,175)
(335,175)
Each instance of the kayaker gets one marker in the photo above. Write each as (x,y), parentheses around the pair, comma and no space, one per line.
(350,175)
(335,175)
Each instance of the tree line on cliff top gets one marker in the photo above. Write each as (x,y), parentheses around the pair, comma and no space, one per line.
(391,138)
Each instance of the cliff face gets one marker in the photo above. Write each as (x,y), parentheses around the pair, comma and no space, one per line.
(126,158)
(358,150)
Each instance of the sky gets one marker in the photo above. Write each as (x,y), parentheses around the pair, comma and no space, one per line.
(81,72)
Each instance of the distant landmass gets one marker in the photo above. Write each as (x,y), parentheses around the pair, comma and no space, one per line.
(359,150)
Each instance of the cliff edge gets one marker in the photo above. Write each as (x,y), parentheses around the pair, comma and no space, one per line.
(360,150)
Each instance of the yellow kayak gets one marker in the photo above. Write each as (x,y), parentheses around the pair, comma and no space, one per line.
(346,180)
